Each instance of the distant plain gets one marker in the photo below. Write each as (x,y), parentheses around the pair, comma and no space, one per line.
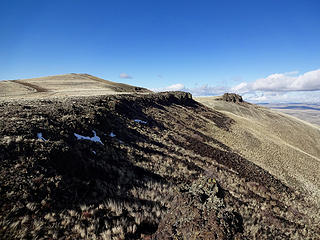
(309,112)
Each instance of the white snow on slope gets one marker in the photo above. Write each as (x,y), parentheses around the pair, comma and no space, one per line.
(140,121)
(39,135)
(95,138)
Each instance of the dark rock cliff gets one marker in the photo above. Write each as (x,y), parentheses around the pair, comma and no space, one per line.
(232,97)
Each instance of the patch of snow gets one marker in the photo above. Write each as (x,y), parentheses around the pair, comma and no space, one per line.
(94,152)
(39,135)
(140,121)
(95,138)
(112,134)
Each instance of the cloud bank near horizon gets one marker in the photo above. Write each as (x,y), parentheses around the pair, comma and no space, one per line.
(204,90)
(283,82)
(277,87)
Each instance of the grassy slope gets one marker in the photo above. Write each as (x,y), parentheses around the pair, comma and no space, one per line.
(64,85)
(285,146)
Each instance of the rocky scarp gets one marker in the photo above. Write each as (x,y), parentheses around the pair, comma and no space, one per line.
(232,97)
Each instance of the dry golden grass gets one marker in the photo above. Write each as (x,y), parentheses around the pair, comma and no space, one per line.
(12,89)
(63,86)
(285,146)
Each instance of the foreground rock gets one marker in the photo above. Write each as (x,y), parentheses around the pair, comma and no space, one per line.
(136,167)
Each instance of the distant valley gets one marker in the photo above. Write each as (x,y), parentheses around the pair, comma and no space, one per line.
(309,112)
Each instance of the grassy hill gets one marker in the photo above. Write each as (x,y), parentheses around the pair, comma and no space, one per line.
(64,85)
(287,147)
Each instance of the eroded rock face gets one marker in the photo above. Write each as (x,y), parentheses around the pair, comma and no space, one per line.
(155,172)
(232,97)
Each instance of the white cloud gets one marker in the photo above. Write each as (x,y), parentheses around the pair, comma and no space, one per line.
(242,87)
(124,75)
(283,97)
(277,82)
(278,87)
(174,87)
(204,90)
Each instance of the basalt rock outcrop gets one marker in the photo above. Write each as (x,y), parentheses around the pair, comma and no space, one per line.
(232,97)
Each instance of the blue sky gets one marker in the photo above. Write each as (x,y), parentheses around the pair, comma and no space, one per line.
(206,47)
